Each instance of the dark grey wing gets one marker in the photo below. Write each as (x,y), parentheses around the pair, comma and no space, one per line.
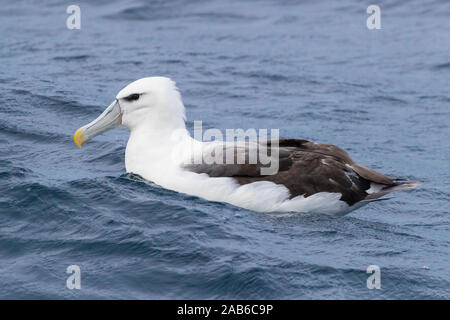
(239,159)
(338,154)
(305,168)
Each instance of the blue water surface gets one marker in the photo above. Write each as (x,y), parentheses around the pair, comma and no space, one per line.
(312,69)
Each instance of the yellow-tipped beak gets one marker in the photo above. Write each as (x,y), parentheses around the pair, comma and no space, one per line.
(110,118)
(79,138)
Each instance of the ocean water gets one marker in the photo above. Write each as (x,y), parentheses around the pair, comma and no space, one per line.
(312,69)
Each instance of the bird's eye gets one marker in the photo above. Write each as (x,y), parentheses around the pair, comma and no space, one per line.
(132,97)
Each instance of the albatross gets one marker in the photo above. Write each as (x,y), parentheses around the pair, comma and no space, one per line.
(310,177)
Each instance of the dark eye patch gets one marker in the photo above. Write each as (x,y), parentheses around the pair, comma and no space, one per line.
(132,97)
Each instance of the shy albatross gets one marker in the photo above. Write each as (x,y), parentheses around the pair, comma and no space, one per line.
(310,177)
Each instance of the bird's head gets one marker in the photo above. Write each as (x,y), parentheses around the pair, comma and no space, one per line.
(152,103)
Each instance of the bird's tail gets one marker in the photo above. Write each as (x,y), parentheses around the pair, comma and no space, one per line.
(400,185)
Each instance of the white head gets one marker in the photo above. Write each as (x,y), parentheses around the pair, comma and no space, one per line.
(152,104)
(153,100)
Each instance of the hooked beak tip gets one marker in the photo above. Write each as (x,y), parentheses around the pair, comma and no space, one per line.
(79,138)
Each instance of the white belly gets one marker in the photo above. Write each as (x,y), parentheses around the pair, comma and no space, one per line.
(262,196)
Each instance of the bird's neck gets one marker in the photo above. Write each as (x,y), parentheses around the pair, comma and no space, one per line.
(151,151)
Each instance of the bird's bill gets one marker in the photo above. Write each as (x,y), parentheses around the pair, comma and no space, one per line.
(109,119)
